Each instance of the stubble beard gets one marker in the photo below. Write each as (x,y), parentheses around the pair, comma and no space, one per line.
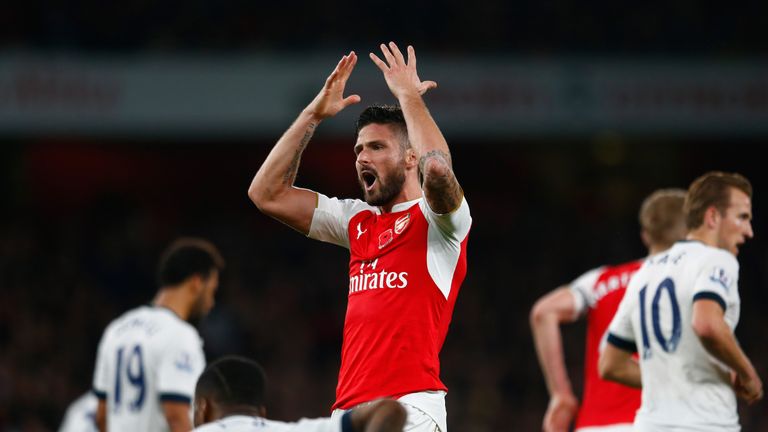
(388,188)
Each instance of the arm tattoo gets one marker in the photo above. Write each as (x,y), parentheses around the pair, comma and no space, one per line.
(434,154)
(290,175)
(442,190)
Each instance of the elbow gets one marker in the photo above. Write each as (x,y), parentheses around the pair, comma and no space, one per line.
(537,315)
(704,330)
(606,369)
(260,196)
(437,168)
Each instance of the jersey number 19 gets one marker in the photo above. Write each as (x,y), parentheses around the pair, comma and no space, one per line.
(130,364)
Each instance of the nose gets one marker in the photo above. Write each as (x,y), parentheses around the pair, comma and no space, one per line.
(362,157)
(748,231)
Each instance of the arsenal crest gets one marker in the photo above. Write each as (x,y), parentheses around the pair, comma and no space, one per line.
(402,223)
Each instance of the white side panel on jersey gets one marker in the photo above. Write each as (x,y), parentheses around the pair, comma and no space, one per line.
(583,290)
(444,237)
(331,218)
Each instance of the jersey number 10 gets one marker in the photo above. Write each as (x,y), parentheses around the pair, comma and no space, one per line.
(667,344)
(130,364)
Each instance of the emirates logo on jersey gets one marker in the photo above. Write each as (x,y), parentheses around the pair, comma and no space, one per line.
(385,238)
(402,223)
(371,278)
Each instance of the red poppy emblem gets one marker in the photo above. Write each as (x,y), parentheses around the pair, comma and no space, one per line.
(385,238)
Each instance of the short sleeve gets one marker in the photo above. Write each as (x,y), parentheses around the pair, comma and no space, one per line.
(718,280)
(621,331)
(101,371)
(181,363)
(583,290)
(330,220)
(454,225)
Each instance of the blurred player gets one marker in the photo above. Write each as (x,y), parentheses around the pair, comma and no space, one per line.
(680,311)
(149,358)
(606,406)
(407,240)
(229,397)
(81,415)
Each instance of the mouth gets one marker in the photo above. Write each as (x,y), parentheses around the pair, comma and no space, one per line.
(368,179)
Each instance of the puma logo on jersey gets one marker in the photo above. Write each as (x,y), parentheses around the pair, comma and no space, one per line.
(359,231)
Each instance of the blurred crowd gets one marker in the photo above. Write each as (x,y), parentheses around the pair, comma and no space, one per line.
(673,27)
(82,224)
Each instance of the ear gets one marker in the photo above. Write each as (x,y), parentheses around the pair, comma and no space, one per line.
(196,284)
(201,411)
(411,159)
(645,238)
(712,217)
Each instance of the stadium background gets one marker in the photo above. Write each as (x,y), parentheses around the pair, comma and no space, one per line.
(85,208)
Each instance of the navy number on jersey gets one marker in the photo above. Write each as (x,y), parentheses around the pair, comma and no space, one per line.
(668,344)
(130,370)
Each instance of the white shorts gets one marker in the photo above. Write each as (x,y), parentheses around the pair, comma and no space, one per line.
(426,411)
(626,427)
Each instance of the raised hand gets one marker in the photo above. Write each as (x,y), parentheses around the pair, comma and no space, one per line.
(401,76)
(331,98)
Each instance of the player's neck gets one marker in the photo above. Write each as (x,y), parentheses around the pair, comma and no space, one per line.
(173,300)
(241,410)
(410,191)
(706,236)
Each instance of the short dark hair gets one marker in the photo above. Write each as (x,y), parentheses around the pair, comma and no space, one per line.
(186,257)
(712,189)
(384,114)
(232,381)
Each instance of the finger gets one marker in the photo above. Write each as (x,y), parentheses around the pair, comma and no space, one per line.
(379,62)
(396,53)
(411,56)
(388,55)
(348,66)
(339,66)
(430,84)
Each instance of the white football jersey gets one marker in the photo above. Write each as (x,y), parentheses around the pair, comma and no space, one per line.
(81,415)
(684,388)
(147,356)
(240,423)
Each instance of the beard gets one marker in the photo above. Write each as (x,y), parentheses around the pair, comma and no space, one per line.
(198,311)
(388,187)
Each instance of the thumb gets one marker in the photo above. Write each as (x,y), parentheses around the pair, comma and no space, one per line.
(350,100)
(426,86)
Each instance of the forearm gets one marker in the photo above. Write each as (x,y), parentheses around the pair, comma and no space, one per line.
(423,133)
(720,342)
(278,172)
(440,185)
(615,364)
(549,349)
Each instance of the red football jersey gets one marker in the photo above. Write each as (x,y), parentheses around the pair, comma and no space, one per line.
(405,271)
(603,402)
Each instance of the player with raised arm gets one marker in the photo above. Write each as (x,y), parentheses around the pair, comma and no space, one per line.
(229,397)
(606,406)
(407,239)
(150,357)
(680,311)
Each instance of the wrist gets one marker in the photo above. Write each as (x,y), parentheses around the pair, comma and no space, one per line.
(310,115)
